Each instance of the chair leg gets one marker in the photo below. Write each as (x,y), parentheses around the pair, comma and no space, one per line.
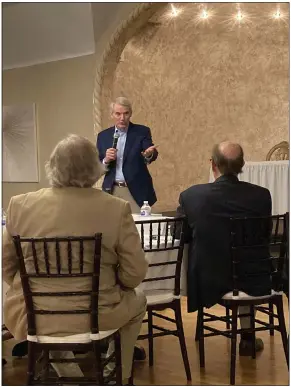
(271,317)
(31,363)
(98,363)
(150,337)
(130,380)
(227,316)
(118,362)
(197,327)
(201,338)
(282,327)
(180,329)
(46,364)
(253,332)
(233,344)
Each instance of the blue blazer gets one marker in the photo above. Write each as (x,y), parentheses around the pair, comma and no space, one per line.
(135,171)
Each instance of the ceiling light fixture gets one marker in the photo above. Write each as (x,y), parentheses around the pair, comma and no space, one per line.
(204,14)
(174,11)
(277,14)
(239,16)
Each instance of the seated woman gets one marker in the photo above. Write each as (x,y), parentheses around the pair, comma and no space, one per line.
(71,207)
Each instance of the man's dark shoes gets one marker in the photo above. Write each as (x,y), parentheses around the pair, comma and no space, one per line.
(20,349)
(245,347)
(139,353)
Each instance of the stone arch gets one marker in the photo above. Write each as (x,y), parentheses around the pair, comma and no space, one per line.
(104,74)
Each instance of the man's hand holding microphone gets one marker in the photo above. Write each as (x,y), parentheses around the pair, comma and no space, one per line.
(111,153)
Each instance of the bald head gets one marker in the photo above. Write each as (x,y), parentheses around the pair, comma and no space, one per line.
(228,158)
(230,150)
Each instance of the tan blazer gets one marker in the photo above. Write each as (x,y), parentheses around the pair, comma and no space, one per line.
(73,212)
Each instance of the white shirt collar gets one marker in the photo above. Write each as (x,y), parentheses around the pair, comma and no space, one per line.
(120,130)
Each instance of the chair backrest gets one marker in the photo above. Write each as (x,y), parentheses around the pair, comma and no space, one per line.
(279,152)
(285,250)
(164,235)
(252,239)
(55,258)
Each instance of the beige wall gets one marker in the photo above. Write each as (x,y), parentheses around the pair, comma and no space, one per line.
(63,93)
(197,84)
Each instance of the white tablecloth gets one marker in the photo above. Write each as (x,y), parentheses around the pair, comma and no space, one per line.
(138,218)
(273,175)
(163,256)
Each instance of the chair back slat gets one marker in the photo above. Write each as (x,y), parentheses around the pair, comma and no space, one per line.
(159,235)
(174,233)
(151,236)
(142,234)
(34,256)
(281,265)
(54,312)
(166,234)
(81,256)
(31,327)
(165,277)
(69,257)
(234,263)
(37,271)
(275,233)
(64,275)
(252,240)
(60,294)
(95,287)
(58,257)
(180,257)
(46,257)
(172,241)
(285,268)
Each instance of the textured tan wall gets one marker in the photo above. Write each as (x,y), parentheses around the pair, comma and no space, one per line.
(62,92)
(197,84)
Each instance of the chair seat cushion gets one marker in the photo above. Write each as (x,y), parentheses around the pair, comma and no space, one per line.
(155,297)
(81,338)
(245,296)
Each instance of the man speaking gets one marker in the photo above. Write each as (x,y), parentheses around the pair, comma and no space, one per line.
(126,149)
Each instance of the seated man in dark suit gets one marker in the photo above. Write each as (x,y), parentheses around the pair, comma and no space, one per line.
(208,208)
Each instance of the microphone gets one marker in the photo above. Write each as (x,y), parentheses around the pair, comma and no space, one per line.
(115,139)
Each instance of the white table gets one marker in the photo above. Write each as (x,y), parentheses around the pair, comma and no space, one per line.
(273,175)
(162,256)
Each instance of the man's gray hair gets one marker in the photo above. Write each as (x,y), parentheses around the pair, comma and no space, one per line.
(74,163)
(123,101)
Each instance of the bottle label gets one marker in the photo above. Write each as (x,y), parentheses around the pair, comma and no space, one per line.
(146,212)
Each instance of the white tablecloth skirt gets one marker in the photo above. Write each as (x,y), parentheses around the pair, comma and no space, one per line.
(273,175)
(164,271)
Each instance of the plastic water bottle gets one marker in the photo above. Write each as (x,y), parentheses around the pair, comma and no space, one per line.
(3,217)
(145,209)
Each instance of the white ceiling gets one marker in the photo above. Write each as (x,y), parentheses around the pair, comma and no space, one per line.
(34,33)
